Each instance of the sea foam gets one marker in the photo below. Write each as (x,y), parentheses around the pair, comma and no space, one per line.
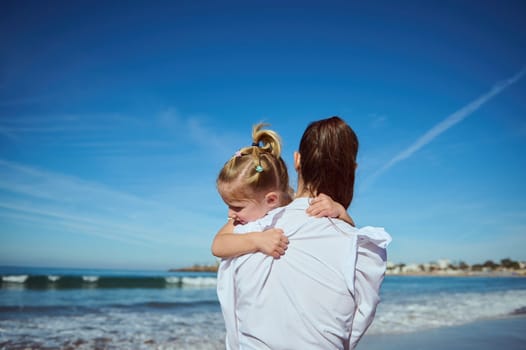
(90,279)
(53,278)
(172,280)
(15,279)
(199,281)
(447,309)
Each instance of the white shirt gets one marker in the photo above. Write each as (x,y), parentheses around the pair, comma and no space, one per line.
(322,294)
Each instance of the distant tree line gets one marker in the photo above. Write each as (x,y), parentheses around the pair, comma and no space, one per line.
(505,264)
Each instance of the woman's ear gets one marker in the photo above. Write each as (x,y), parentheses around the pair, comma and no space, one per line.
(297,160)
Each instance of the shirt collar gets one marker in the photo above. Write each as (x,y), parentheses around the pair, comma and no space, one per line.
(299,203)
(268,220)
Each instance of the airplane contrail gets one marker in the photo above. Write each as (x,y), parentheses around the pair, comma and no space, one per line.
(449,122)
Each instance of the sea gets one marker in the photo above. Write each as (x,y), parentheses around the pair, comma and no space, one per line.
(52,308)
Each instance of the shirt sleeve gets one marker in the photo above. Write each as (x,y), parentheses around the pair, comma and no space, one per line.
(371,261)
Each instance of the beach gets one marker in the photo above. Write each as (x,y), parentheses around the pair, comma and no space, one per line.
(504,333)
(48,308)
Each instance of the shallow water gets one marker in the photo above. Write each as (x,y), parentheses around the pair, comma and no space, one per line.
(108,309)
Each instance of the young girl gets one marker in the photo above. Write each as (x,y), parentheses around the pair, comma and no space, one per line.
(252,183)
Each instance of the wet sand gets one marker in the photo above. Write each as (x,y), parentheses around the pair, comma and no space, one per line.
(506,333)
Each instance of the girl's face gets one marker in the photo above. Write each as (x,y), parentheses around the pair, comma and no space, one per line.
(248,209)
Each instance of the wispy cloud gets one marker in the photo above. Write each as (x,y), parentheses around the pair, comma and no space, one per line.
(208,138)
(197,128)
(87,223)
(7,133)
(449,122)
(110,131)
(22,128)
(89,208)
(36,182)
(378,121)
(145,211)
(20,101)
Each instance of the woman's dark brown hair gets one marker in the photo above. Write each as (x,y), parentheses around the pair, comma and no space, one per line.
(328,151)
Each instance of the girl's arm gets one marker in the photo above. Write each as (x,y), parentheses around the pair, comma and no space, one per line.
(226,244)
(324,206)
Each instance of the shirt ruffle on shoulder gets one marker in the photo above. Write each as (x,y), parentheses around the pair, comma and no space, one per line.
(375,235)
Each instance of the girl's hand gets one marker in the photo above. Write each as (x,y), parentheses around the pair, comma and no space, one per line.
(323,206)
(272,242)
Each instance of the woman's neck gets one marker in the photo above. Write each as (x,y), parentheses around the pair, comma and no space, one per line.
(302,191)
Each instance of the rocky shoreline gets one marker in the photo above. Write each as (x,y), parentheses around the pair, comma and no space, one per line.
(197,268)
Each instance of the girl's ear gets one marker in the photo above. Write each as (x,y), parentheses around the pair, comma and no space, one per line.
(297,160)
(272,200)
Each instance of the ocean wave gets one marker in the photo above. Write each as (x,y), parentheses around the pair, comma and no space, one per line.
(194,281)
(15,279)
(447,309)
(53,278)
(199,281)
(53,281)
(90,279)
(64,308)
(178,304)
(44,309)
(172,280)
(115,329)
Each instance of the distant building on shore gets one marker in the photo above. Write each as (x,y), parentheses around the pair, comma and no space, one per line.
(507,267)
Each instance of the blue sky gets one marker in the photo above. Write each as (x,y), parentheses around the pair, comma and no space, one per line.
(115,118)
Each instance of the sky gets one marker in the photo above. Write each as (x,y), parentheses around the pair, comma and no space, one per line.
(116,117)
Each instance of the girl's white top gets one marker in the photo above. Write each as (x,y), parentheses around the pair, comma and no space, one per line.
(322,294)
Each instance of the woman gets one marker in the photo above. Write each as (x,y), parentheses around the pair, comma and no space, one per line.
(323,293)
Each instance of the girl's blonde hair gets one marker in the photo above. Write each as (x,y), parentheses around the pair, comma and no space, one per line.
(256,168)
